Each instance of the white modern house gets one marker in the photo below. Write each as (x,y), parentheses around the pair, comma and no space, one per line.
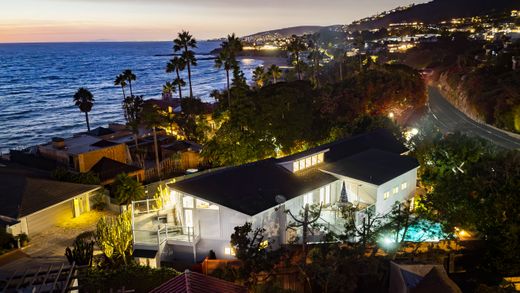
(370,170)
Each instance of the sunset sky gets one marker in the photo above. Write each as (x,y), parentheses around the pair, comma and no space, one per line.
(150,20)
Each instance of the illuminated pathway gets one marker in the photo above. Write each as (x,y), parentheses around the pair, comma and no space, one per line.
(450,119)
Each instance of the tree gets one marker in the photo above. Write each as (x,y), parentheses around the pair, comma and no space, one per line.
(81,253)
(259,76)
(295,47)
(176,65)
(152,119)
(227,58)
(84,100)
(315,56)
(168,89)
(251,247)
(185,42)
(127,189)
(132,107)
(366,231)
(274,72)
(114,238)
(121,81)
(307,219)
(129,76)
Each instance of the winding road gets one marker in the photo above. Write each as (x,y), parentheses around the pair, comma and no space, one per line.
(450,119)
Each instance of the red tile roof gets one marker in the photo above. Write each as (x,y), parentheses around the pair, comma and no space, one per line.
(191,282)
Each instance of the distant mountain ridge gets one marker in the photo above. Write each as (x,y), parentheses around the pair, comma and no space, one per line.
(439,10)
(289,31)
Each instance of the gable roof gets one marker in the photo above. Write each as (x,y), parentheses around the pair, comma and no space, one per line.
(192,282)
(380,139)
(372,166)
(107,168)
(21,195)
(252,188)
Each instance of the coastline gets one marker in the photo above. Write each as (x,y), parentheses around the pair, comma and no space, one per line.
(267,61)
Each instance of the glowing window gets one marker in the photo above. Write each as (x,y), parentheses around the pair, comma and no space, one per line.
(325,195)
(307,199)
(395,190)
(188,217)
(308,162)
(296,166)
(386,195)
(314,160)
(229,251)
(302,164)
(187,202)
(404,185)
(320,158)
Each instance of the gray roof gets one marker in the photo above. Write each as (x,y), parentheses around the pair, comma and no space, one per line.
(252,188)
(21,195)
(372,166)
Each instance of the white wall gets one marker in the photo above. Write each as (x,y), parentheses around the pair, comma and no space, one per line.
(385,205)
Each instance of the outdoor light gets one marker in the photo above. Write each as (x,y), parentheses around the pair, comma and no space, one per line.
(391,115)
(414,131)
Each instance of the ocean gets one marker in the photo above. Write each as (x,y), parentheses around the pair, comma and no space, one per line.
(38,81)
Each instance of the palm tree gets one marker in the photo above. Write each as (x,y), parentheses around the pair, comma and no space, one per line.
(315,56)
(227,58)
(127,189)
(339,57)
(152,119)
(132,107)
(168,90)
(275,72)
(84,99)
(185,42)
(223,60)
(176,65)
(129,76)
(121,81)
(295,47)
(259,76)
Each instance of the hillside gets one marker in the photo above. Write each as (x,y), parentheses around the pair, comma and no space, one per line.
(438,10)
(287,32)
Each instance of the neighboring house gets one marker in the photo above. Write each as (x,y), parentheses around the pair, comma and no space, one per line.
(370,171)
(31,205)
(82,152)
(107,170)
(192,282)
(188,153)
(420,278)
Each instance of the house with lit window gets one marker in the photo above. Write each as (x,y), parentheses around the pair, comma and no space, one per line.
(370,171)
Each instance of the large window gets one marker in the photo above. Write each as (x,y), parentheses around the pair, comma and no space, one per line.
(307,162)
(325,195)
(404,185)
(307,199)
(395,190)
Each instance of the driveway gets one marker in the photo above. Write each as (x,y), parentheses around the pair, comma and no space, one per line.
(49,247)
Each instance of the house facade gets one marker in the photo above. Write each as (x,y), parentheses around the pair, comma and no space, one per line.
(370,171)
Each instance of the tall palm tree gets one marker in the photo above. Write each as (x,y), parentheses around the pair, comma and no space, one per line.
(227,58)
(185,42)
(129,76)
(132,108)
(224,60)
(259,76)
(295,47)
(315,57)
(84,99)
(121,81)
(152,119)
(275,72)
(177,65)
(340,57)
